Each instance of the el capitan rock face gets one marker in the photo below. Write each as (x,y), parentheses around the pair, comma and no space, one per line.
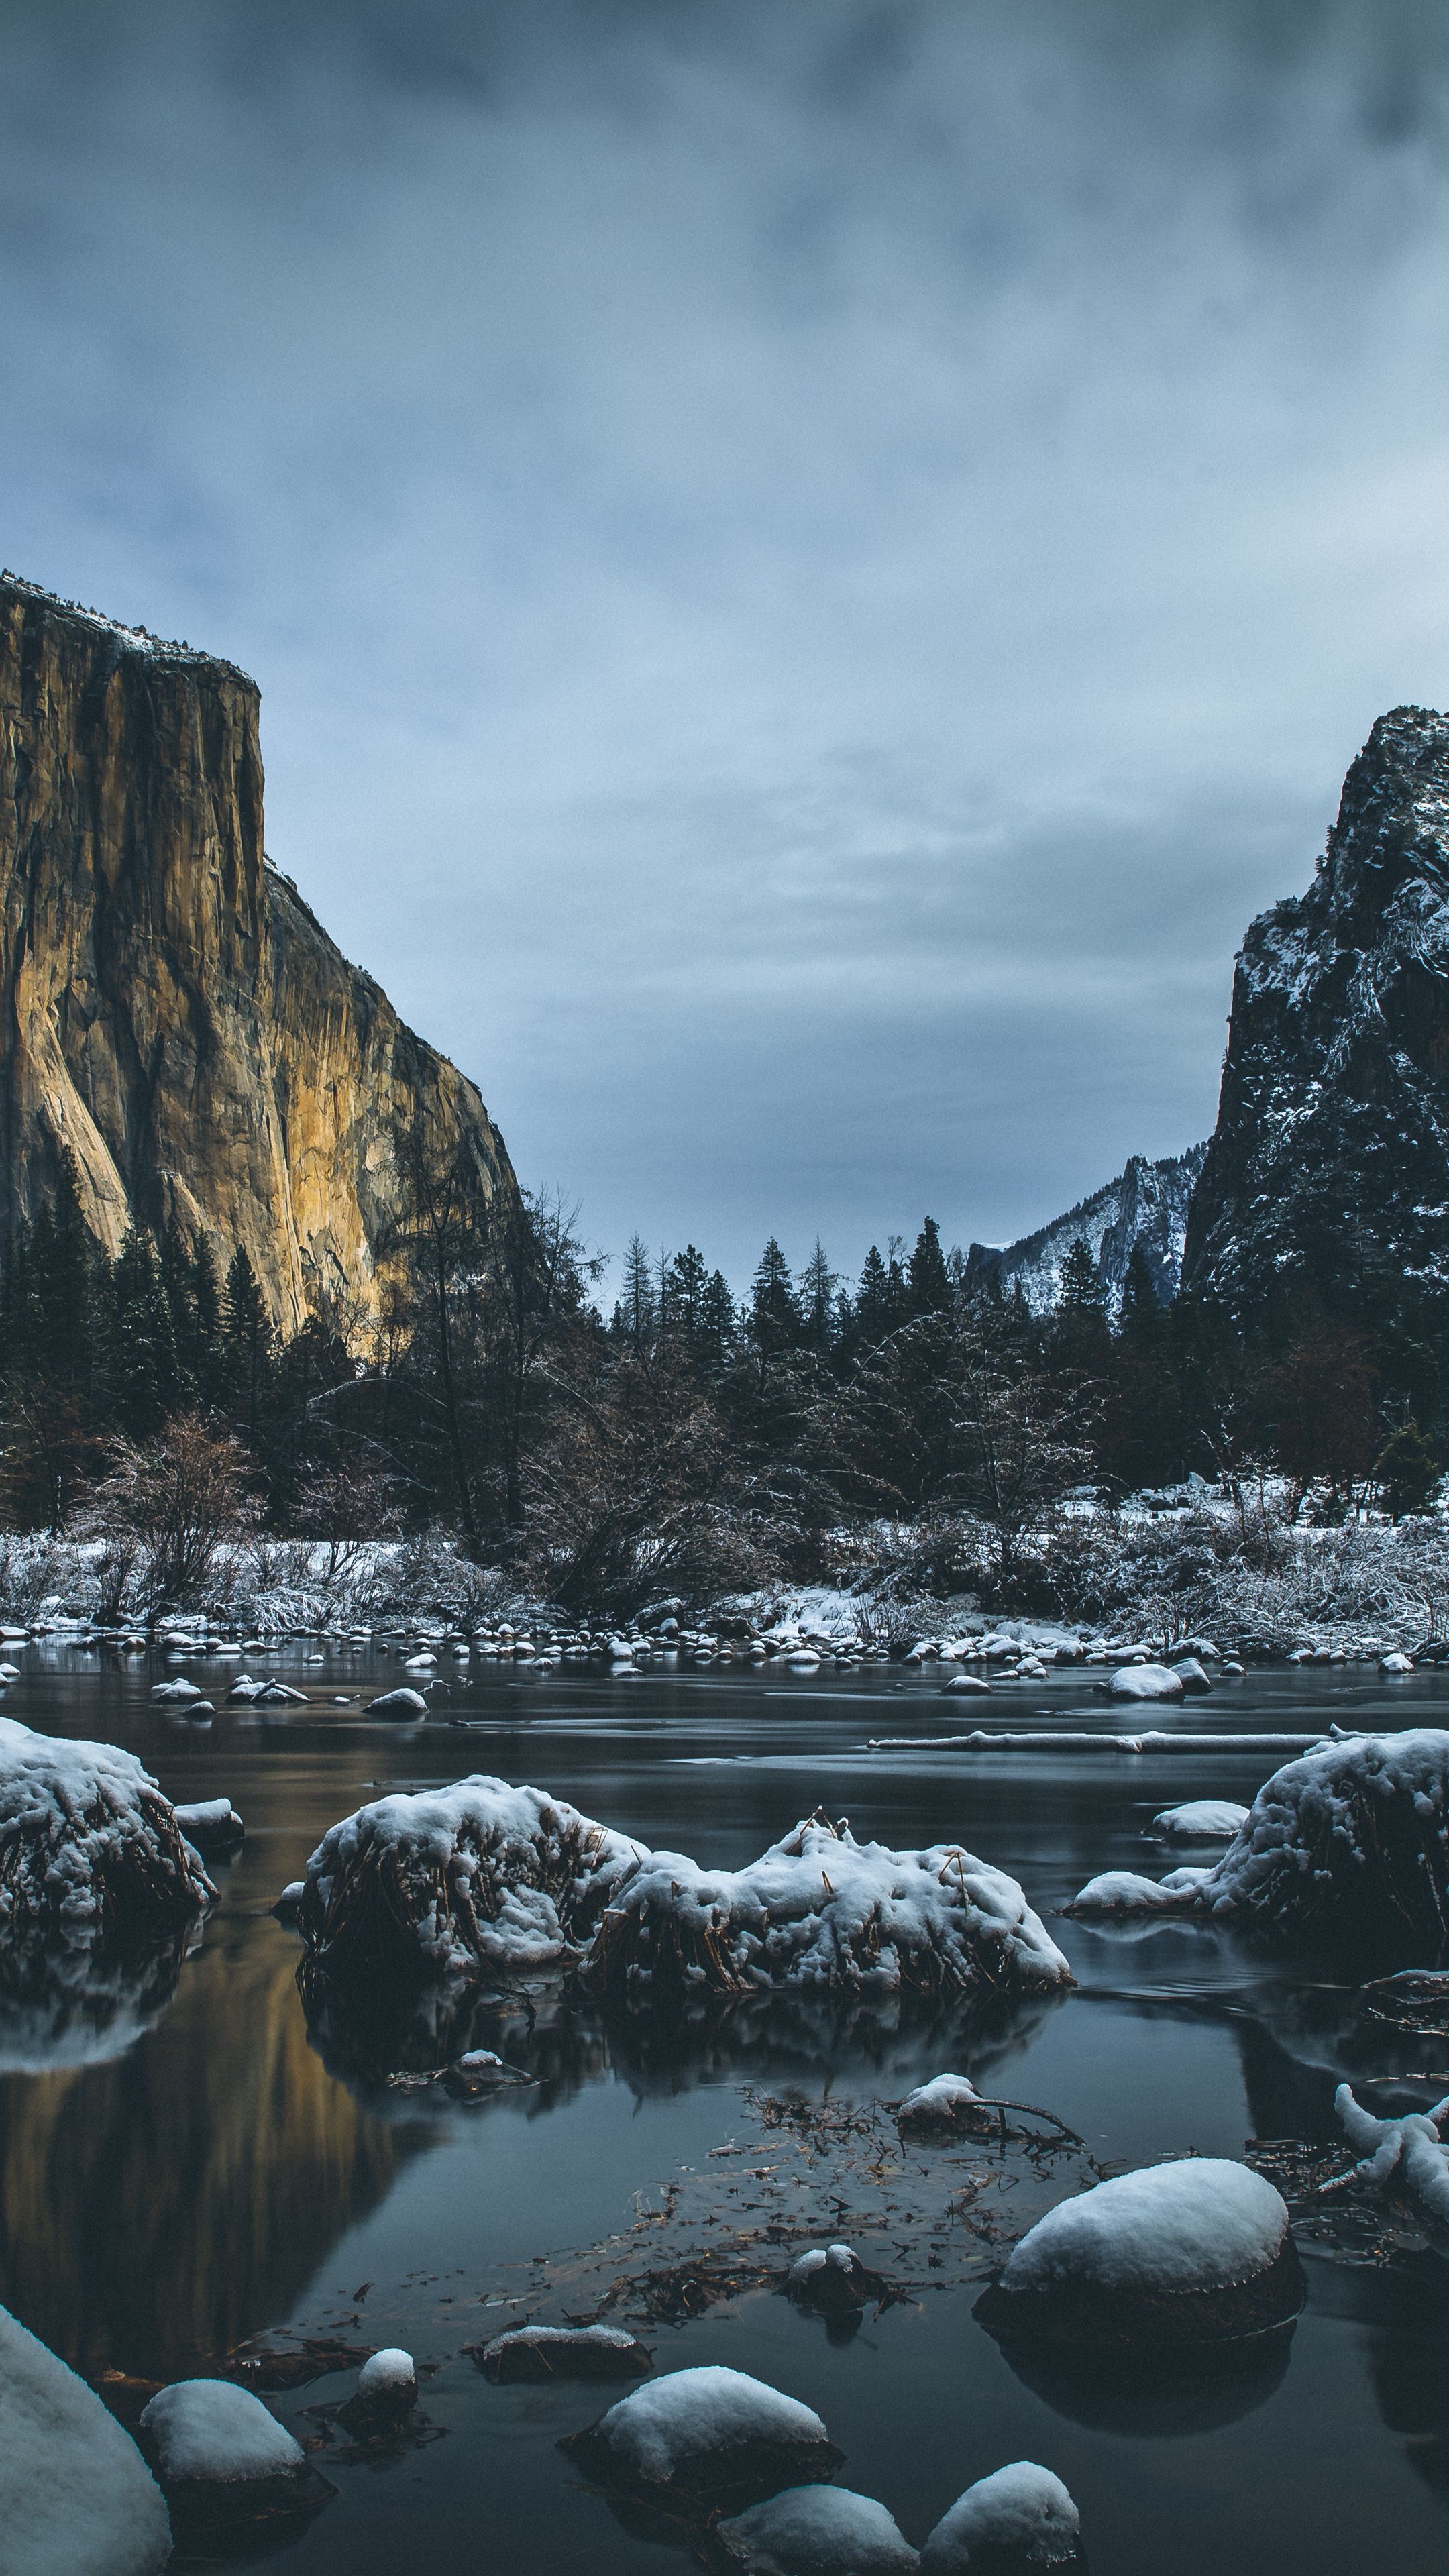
(1330,1158)
(172,1012)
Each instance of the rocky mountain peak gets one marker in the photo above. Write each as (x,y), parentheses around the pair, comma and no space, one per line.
(1330,1159)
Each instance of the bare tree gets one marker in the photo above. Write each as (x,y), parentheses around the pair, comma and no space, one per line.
(182,1495)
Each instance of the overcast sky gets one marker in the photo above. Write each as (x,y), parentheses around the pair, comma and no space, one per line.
(810,565)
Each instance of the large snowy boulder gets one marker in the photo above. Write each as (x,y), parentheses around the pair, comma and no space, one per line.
(480,1879)
(712,2435)
(1018,2521)
(815,2531)
(76,2497)
(1350,1841)
(820,1909)
(91,1855)
(1192,2253)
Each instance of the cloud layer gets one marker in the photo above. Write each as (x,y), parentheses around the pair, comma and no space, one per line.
(808,568)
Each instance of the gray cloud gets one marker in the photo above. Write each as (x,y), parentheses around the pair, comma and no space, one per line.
(809,568)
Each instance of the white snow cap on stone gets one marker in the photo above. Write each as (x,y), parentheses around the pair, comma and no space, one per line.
(1021,2507)
(387,2373)
(82,1804)
(817,2531)
(823,2258)
(674,2419)
(1145,1681)
(1200,1820)
(945,2097)
(76,2497)
(1197,2225)
(208,2429)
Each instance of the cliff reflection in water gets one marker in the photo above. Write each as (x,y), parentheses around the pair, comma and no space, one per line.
(156,2208)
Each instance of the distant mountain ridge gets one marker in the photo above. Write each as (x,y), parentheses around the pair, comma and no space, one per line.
(1146,1204)
(1329,1164)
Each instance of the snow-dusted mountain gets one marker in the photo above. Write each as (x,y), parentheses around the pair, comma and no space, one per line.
(1330,1158)
(1146,1204)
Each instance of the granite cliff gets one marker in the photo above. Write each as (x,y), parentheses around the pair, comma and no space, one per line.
(1330,1158)
(1146,1206)
(172,1012)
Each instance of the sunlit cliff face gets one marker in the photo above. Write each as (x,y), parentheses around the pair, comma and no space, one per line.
(173,1016)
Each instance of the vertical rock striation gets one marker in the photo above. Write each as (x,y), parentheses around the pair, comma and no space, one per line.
(1330,1159)
(172,1012)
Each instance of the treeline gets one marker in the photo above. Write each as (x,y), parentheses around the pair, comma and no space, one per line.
(685,1441)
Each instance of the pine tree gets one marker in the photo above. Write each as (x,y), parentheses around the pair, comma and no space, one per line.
(685,1282)
(248,1347)
(147,1381)
(205,1356)
(774,1315)
(817,1301)
(1079,1289)
(1140,1322)
(637,1309)
(717,1325)
(928,1283)
(62,1266)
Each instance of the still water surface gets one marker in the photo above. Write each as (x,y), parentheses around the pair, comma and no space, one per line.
(218,2177)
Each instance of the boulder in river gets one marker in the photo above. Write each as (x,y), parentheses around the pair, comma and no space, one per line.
(704,2438)
(814,2531)
(76,2497)
(1192,2253)
(1020,2521)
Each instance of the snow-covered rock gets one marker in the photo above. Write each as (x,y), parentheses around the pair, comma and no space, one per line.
(179,1691)
(967,1682)
(386,2391)
(245,1688)
(1200,1820)
(1194,2252)
(949,2106)
(1013,2523)
(76,2497)
(211,1825)
(210,2430)
(1191,1674)
(1396,1663)
(1145,1681)
(815,2531)
(821,1909)
(564,2352)
(89,1848)
(404,1703)
(457,1882)
(711,2433)
(1350,1840)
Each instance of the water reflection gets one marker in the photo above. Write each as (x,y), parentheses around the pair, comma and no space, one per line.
(82,2008)
(1158,2395)
(156,2208)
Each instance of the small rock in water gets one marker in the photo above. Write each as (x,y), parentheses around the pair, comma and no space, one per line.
(1191,1673)
(968,1682)
(398,1703)
(212,1825)
(222,2458)
(1396,1663)
(1200,1820)
(386,2392)
(705,2437)
(291,1897)
(177,1690)
(563,2352)
(1018,2521)
(1145,1681)
(816,2531)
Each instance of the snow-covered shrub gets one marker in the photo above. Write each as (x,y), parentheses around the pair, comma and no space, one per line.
(820,1909)
(33,1569)
(1192,2253)
(480,1879)
(1350,1842)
